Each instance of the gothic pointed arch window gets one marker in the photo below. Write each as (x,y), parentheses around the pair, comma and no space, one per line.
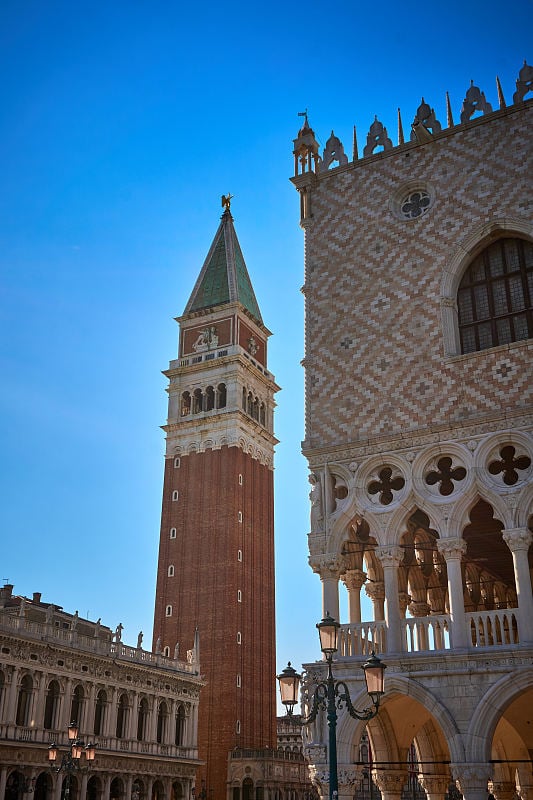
(495,296)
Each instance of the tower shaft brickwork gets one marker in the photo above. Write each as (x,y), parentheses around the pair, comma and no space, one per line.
(215,580)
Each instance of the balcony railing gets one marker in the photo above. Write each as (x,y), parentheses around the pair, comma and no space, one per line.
(362,638)
(45,632)
(495,628)
(39,736)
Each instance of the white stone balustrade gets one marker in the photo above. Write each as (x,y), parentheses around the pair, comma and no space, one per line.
(432,633)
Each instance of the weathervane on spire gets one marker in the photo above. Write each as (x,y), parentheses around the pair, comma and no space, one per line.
(303,114)
(226,201)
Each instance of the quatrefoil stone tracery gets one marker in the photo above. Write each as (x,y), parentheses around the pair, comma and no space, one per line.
(415,204)
(386,485)
(509,465)
(445,475)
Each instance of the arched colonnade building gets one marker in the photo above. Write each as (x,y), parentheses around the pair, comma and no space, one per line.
(139,708)
(419,382)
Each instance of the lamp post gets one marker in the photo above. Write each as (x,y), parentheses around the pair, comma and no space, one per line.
(70,761)
(331,694)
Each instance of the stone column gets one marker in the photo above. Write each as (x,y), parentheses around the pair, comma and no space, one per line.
(391,557)
(435,786)
(106,787)
(348,776)
(329,569)
(13,694)
(518,541)
(354,580)
(376,592)
(3,781)
(390,783)
(129,786)
(66,698)
(83,787)
(89,713)
(453,551)
(132,721)
(152,725)
(39,707)
(473,779)
(58,786)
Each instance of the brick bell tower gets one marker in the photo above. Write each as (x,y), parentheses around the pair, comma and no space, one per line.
(216,553)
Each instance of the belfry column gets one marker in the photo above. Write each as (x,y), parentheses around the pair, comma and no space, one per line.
(518,541)
(453,551)
(354,580)
(391,557)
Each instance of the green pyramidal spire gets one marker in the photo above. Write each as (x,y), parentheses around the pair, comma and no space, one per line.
(224,277)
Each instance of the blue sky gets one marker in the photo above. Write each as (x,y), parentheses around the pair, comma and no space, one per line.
(121,124)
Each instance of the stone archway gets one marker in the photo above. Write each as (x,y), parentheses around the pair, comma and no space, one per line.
(43,787)
(15,786)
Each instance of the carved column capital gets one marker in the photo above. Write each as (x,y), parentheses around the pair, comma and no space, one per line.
(375,590)
(473,778)
(329,565)
(353,579)
(391,782)
(452,548)
(390,555)
(434,785)
(517,539)
(419,609)
(404,598)
(348,776)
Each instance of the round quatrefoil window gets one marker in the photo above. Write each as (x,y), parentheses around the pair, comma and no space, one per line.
(415,204)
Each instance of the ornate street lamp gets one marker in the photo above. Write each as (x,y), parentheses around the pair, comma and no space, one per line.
(331,694)
(70,761)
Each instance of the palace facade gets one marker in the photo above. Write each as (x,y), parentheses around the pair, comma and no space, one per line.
(419,398)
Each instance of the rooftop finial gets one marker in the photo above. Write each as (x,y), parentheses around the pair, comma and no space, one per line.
(226,201)
(303,114)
